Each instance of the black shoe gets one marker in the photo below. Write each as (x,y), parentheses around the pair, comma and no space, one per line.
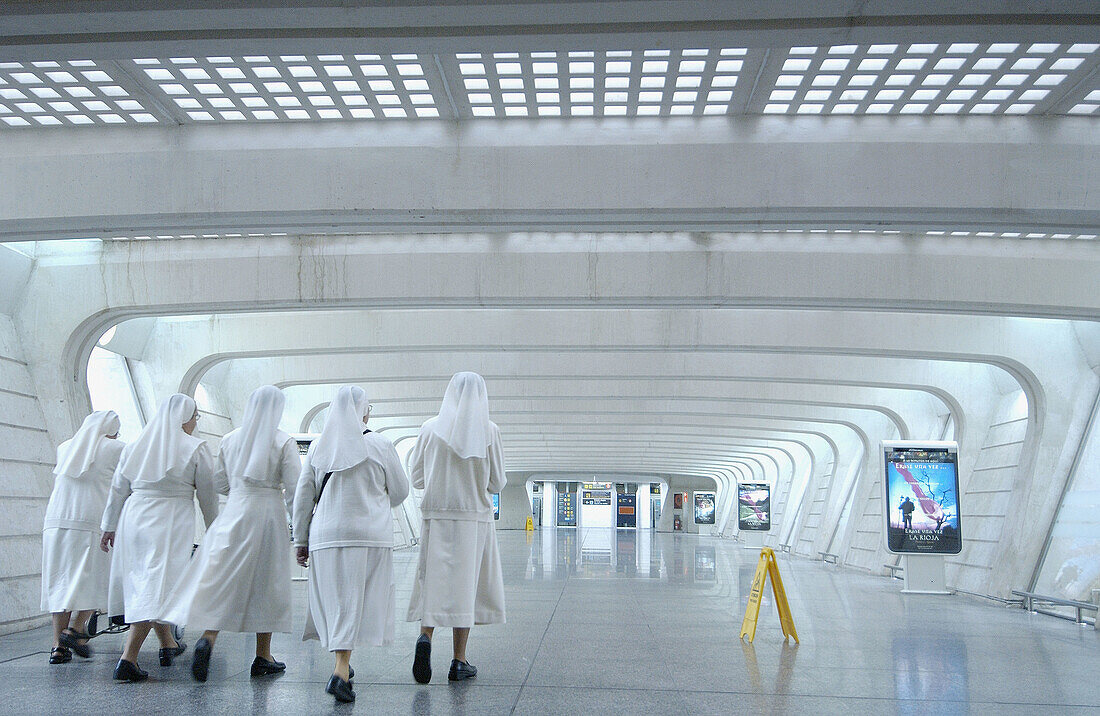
(128,671)
(340,689)
(71,638)
(60,655)
(166,655)
(200,664)
(263,667)
(422,662)
(461,670)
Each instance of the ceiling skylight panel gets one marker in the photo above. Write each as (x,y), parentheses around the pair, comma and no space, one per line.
(35,92)
(929,74)
(654,82)
(296,87)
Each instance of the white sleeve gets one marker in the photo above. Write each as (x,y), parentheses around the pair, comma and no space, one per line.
(304,496)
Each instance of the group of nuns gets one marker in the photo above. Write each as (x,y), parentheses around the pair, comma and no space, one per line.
(136,502)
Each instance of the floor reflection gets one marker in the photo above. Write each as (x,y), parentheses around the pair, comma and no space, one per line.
(605,553)
(930,667)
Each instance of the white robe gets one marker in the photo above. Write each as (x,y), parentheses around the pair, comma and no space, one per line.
(74,569)
(154,524)
(459,582)
(239,579)
(350,540)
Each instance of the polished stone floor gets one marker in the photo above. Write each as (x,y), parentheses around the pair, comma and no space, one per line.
(629,622)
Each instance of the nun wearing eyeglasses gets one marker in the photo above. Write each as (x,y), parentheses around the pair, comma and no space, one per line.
(459,463)
(343,530)
(74,570)
(239,579)
(149,522)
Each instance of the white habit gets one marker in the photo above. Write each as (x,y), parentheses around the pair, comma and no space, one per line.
(239,579)
(75,571)
(151,510)
(350,533)
(459,463)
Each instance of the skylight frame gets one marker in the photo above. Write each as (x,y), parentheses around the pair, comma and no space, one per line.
(930,79)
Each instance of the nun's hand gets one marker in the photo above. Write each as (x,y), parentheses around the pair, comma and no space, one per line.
(303,556)
(107,542)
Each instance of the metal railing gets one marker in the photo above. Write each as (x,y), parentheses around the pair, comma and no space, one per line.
(1079,608)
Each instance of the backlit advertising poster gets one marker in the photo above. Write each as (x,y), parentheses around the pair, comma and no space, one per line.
(704,508)
(496,507)
(922,498)
(754,506)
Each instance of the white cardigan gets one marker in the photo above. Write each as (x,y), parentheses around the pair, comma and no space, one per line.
(356,508)
(456,488)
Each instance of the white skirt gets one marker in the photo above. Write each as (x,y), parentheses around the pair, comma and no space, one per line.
(75,571)
(152,548)
(239,579)
(458,577)
(351,597)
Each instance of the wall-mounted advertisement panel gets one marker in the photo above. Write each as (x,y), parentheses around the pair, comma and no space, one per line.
(921,483)
(496,507)
(754,506)
(704,508)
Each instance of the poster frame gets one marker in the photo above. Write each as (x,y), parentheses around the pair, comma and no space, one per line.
(890,446)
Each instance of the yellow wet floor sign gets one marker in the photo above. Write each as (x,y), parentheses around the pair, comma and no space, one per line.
(530,527)
(765,567)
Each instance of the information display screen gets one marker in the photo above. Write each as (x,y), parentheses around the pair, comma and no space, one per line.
(567,509)
(922,498)
(704,508)
(754,506)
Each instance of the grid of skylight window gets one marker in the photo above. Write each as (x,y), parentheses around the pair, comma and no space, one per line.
(786,229)
(961,78)
(930,78)
(70,93)
(607,83)
(294,87)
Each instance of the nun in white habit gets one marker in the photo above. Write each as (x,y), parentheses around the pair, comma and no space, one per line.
(459,463)
(343,528)
(74,570)
(150,522)
(239,579)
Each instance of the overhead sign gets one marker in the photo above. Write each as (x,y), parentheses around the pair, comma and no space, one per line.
(921,484)
(596,497)
(754,511)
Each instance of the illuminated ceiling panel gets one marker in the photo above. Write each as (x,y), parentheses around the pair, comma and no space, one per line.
(956,78)
(72,93)
(963,78)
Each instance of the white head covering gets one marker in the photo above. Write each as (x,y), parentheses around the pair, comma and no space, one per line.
(463,420)
(341,444)
(76,456)
(162,447)
(247,450)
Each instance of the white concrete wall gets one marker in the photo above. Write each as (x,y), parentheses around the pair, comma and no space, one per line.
(26,478)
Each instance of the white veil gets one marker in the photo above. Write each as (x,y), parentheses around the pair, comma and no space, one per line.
(247,451)
(463,420)
(162,447)
(76,455)
(341,444)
